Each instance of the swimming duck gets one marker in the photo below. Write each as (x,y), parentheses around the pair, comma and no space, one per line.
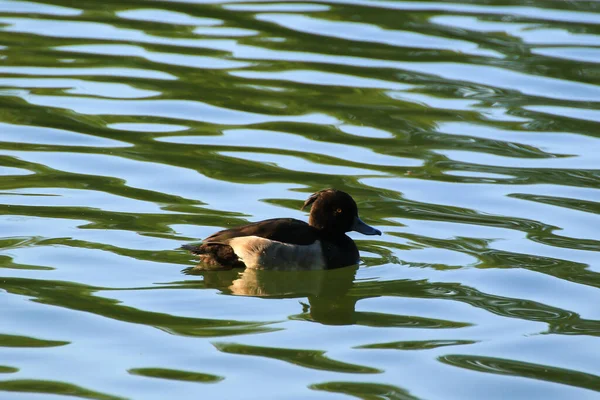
(287,243)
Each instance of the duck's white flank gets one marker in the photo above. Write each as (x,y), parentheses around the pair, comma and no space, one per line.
(261,253)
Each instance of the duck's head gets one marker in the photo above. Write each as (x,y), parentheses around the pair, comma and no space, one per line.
(335,212)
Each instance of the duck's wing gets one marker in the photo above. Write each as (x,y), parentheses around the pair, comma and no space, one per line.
(285,230)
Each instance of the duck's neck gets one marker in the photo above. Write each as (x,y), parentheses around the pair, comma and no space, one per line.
(332,236)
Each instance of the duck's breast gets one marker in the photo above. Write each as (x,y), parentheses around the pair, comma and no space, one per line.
(260,253)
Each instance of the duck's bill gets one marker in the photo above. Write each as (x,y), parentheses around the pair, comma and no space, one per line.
(363,228)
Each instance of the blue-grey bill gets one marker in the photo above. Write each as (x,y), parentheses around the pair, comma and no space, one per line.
(363,228)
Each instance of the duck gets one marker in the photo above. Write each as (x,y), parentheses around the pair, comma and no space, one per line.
(288,243)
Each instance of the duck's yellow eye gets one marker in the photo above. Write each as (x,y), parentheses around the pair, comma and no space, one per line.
(338,211)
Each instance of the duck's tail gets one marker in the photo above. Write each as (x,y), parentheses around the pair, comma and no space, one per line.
(215,255)
(193,248)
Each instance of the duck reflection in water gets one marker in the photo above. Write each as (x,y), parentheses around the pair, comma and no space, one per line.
(289,258)
(328,291)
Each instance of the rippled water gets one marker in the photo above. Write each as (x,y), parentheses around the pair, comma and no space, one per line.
(466,131)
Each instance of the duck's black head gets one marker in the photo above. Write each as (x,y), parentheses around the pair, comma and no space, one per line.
(335,212)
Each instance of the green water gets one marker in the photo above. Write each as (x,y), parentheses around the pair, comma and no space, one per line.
(466,131)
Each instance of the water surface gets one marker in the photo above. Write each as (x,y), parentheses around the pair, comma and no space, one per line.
(466,131)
